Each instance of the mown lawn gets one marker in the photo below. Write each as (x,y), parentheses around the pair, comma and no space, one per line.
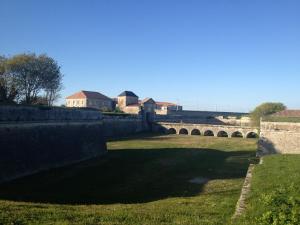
(142,180)
(275,192)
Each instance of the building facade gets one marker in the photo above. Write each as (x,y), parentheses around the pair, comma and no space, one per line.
(164,108)
(90,99)
(127,101)
(149,105)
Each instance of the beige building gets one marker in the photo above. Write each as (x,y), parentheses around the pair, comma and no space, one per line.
(149,105)
(90,99)
(164,108)
(129,102)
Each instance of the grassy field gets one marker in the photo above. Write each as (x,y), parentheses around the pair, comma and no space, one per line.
(275,188)
(143,180)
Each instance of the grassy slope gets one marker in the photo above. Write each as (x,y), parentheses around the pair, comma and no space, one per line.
(141,181)
(277,171)
(282,119)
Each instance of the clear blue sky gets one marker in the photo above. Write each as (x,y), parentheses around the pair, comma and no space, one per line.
(227,55)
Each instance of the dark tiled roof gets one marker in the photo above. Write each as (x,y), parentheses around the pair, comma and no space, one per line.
(288,113)
(148,100)
(88,94)
(128,93)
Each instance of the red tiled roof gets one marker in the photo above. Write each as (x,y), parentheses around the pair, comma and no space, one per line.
(165,104)
(88,94)
(288,113)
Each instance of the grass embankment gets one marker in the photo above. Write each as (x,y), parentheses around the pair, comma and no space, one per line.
(281,119)
(275,192)
(145,180)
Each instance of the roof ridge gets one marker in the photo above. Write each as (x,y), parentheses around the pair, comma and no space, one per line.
(88,94)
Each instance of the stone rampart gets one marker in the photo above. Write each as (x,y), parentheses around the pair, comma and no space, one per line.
(34,139)
(120,126)
(279,137)
(191,113)
(18,113)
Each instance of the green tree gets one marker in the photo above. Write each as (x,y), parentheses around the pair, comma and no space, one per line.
(8,84)
(52,79)
(34,75)
(265,109)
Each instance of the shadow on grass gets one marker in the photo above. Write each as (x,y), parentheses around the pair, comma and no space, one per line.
(141,135)
(130,176)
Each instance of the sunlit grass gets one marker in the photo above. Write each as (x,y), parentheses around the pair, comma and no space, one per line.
(144,180)
(276,172)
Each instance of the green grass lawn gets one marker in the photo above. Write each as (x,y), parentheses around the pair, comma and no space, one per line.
(143,180)
(278,177)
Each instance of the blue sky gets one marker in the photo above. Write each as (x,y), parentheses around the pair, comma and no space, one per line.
(225,55)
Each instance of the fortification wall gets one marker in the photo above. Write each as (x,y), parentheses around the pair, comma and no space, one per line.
(34,139)
(204,118)
(190,113)
(279,137)
(120,126)
(16,113)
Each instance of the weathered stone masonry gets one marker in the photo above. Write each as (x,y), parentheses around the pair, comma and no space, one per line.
(207,130)
(38,138)
(34,139)
(119,126)
(279,137)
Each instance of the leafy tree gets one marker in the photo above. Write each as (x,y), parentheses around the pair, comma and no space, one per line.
(52,80)
(40,100)
(35,74)
(265,109)
(8,84)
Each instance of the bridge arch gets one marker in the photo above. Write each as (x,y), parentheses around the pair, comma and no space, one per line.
(237,134)
(252,135)
(195,132)
(209,133)
(172,131)
(222,133)
(183,131)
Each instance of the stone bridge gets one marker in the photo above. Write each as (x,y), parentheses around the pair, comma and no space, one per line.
(207,130)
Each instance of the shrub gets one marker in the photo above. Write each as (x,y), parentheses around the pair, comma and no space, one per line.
(265,109)
(281,208)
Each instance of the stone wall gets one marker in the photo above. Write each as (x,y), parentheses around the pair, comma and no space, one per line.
(120,126)
(30,147)
(279,137)
(186,119)
(204,114)
(38,138)
(243,121)
(34,139)
(17,113)
(201,129)
(205,118)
